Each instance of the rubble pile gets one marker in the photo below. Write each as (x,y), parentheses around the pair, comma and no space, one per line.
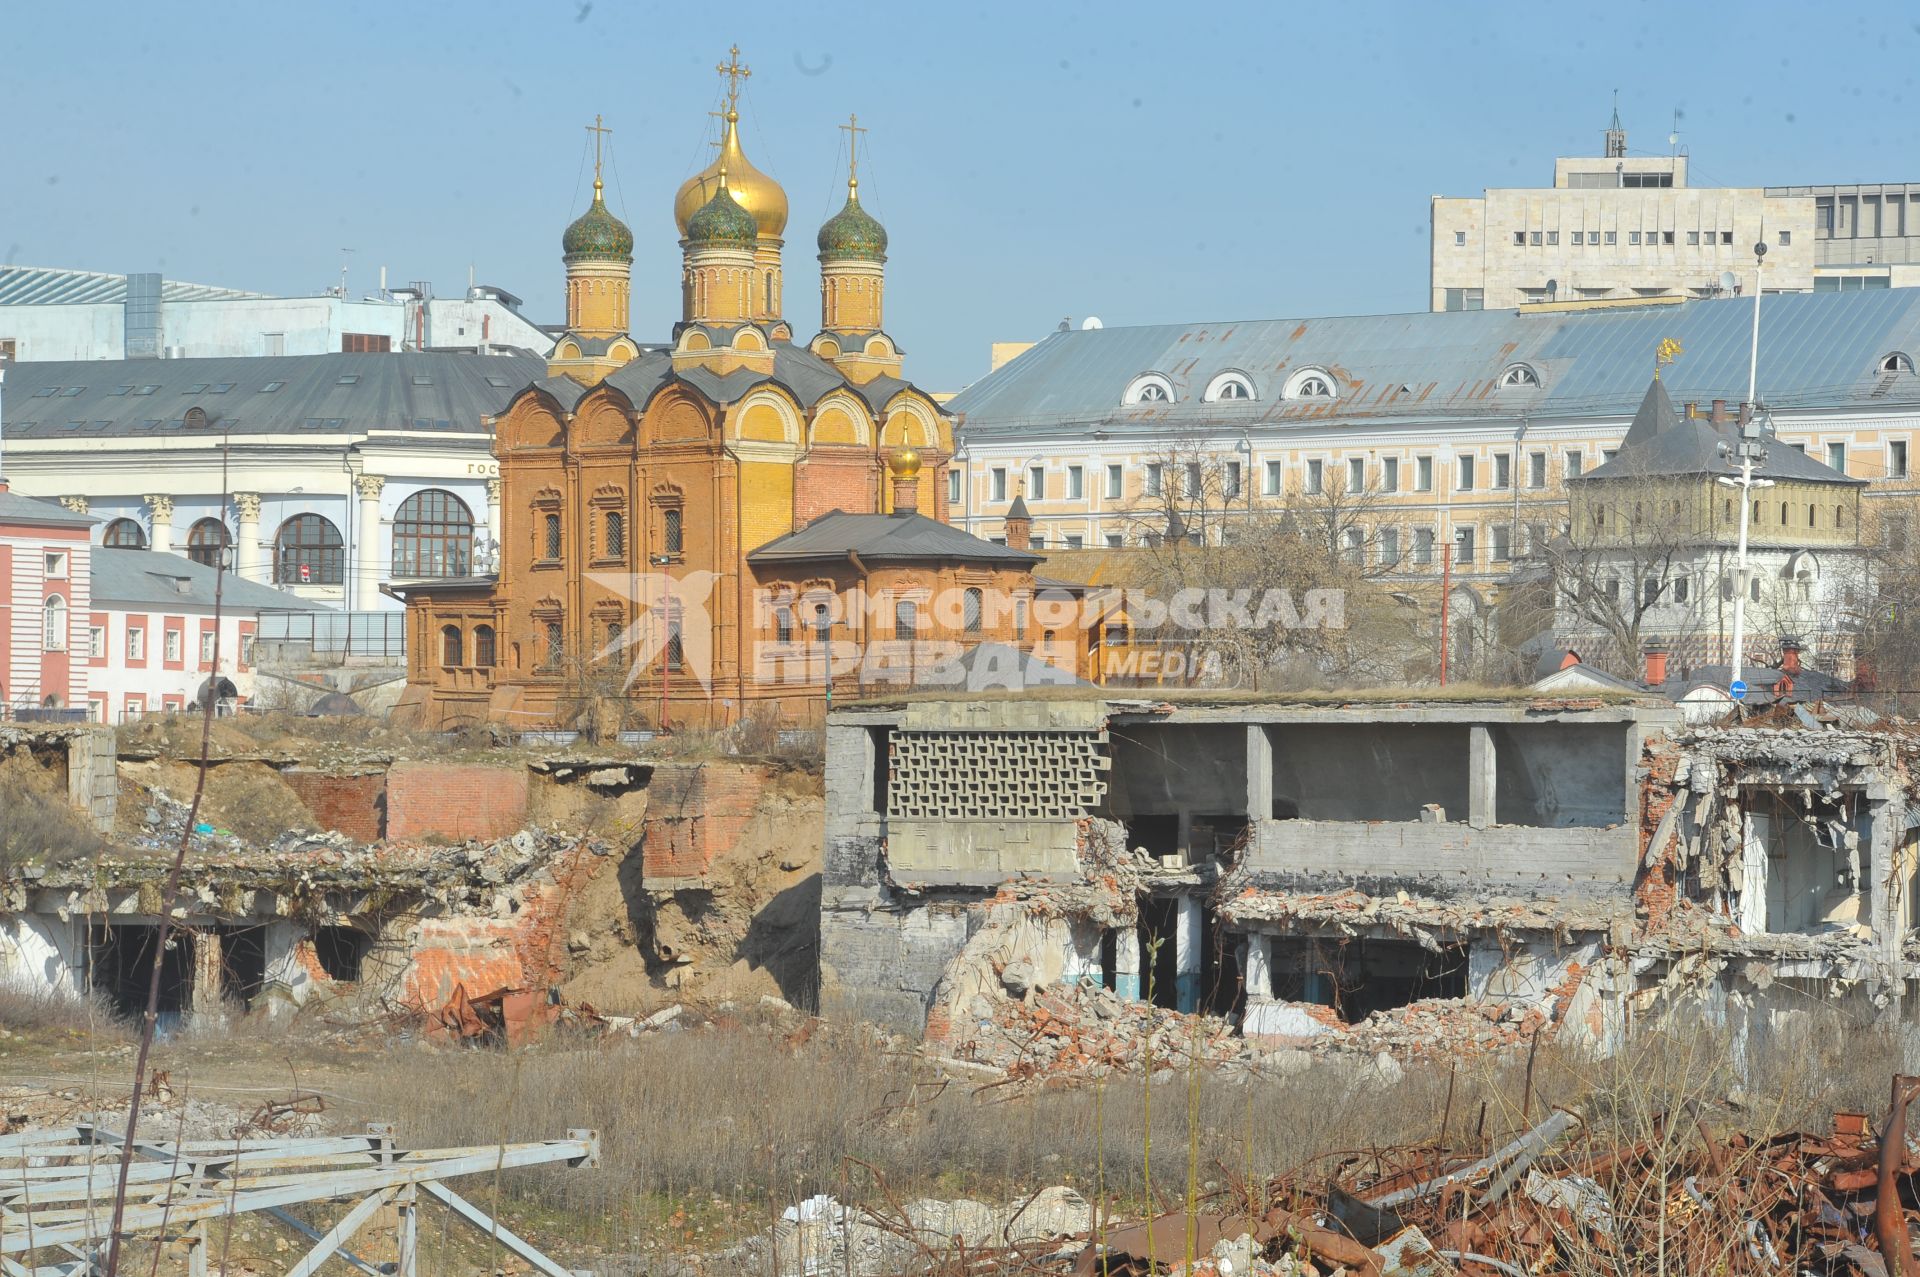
(1066,1031)
(1439,1027)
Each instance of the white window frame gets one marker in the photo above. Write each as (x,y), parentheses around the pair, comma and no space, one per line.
(1148,387)
(1219,389)
(1116,483)
(1076,483)
(1273,478)
(1313,480)
(1356,474)
(1312,383)
(136,642)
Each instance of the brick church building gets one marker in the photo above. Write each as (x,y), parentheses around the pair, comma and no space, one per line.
(728,525)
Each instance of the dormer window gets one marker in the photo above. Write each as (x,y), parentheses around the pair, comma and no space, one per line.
(1897,361)
(1229,386)
(1519,375)
(1311,383)
(1148,388)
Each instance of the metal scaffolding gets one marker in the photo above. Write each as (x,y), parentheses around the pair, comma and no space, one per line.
(57,1187)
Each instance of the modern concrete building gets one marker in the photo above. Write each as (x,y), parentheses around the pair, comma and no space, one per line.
(1306,866)
(1618,226)
(52,314)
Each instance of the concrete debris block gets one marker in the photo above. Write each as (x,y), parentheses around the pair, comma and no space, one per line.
(578,942)
(1234,1256)
(663,1017)
(1433,814)
(1019,978)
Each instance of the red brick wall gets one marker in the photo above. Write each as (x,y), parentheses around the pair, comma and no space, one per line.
(694,814)
(834,481)
(347,804)
(455,801)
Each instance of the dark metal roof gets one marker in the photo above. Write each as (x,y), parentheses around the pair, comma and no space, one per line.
(885,538)
(15,508)
(1816,350)
(292,394)
(151,578)
(1660,442)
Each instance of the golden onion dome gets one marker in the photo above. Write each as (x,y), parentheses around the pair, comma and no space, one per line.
(759,194)
(905,463)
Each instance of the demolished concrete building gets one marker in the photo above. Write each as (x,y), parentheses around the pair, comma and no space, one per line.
(1332,872)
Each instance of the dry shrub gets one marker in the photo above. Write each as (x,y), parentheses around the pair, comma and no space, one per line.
(37,824)
(42,1010)
(740,1117)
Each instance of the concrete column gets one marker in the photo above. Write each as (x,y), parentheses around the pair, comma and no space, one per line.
(1259,774)
(1480,777)
(365,594)
(207,966)
(1186,954)
(246,540)
(1259,965)
(1881,871)
(1183,834)
(1126,963)
(161,536)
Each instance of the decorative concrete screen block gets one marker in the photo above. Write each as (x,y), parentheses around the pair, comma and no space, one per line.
(976,807)
(1000,776)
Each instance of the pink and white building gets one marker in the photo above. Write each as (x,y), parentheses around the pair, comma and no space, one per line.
(45,600)
(112,634)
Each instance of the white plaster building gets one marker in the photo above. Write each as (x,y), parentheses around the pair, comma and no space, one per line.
(1452,423)
(55,314)
(326,473)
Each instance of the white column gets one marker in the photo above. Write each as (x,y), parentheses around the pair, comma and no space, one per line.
(493,512)
(1259,965)
(247,547)
(1186,953)
(366,545)
(161,537)
(1482,767)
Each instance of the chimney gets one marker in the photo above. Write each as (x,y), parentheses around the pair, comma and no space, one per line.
(905,466)
(1656,665)
(1719,417)
(1790,655)
(1693,410)
(1019,524)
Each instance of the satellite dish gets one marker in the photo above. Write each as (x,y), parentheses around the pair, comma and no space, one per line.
(1090,323)
(1728,282)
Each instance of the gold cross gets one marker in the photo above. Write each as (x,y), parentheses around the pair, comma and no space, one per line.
(599,133)
(734,73)
(853,130)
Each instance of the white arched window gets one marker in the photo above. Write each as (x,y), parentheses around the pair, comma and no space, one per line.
(1311,383)
(53,629)
(1896,361)
(1148,387)
(1229,386)
(1519,375)
(432,535)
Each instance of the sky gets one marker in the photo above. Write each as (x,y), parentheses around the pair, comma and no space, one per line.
(1143,163)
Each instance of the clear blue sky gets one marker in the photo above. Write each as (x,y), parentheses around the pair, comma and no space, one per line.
(1143,163)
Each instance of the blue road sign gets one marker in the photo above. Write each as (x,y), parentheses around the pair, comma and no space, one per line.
(1737,689)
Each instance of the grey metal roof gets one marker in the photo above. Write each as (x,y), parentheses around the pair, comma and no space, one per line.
(1816,349)
(53,286)
(292,394)
(805,375)
(1661,442)
(153,579)
(885,537)
(15,508)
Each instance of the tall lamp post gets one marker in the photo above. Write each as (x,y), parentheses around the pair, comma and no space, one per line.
(1749,455)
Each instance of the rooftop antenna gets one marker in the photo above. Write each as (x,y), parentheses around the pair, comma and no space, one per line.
(1673,138)
(1616,136)
(345,253)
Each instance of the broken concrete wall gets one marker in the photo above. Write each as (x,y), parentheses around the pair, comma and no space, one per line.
(42,955)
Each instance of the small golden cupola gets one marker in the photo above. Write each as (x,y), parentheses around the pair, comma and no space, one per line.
(753,190)
(598,251)
(853,258)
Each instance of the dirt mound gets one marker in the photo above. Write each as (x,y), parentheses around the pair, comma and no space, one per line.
(249,800)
